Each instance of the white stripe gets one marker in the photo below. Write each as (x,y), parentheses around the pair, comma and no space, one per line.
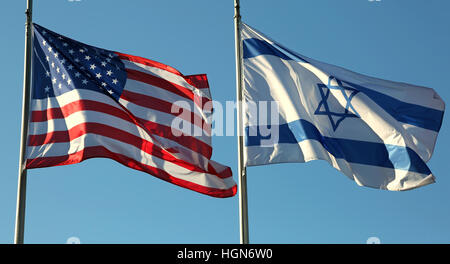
(171,77)
(400,180)
(83,94)
(161,118)
(91,140)
(298,100)
(183,152)
(39,128)
(70,97)
(404,92)
(364,175)
(162,94)
(423,139)
(88,116)
(80,117)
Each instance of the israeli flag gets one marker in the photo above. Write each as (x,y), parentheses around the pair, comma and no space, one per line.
(377,132)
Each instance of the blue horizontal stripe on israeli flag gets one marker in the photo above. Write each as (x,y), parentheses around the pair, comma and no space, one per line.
(253,47)
(407,113)
(353,151)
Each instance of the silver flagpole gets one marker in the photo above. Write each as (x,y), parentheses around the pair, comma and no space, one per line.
(243,207)
(21,189)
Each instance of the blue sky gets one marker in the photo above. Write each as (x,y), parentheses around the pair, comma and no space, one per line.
(101,201)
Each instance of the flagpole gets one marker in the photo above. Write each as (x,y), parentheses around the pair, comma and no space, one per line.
(243,206)
(22,181)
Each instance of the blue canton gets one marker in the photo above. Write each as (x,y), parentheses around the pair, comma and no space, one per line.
(61,64)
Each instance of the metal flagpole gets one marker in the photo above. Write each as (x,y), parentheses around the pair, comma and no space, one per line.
(243,207)
(22,184)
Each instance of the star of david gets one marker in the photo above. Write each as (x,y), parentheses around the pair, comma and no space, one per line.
(324,109)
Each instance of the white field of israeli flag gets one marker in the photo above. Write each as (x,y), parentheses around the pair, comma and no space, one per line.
(377,132)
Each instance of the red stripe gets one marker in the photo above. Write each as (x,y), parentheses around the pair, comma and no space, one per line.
(76,106)
(151,127)
(187,141)
(148,62)
(92,152)
(117,134)
(166,107)
(199,80)
(166,85)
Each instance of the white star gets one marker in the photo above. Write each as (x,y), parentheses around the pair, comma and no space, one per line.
(50,49)
(54,80)
(71,51)
(108,59)
(44,42)
(47,58)
(109,73)
(57,69)
(93,67)
(47,89)
(60,38)
(81,50)
(110,55)
(115,81)
(59,85)
(77,60)
(44,32)
(103,64)
(63,61)
(70,67)
(53,65)
(87,57)
(65,44)
(98,75)
(56,54)
(103,84)
(77,74)
(69,81)
(84,81)
(47,73)
(110,91)
(63,76)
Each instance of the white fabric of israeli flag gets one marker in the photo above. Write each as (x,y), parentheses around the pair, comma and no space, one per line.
(377,132)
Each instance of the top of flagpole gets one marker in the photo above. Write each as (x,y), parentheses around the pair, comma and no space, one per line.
(237,13)
(29,12)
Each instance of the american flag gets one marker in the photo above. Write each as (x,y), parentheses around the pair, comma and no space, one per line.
(90,102)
